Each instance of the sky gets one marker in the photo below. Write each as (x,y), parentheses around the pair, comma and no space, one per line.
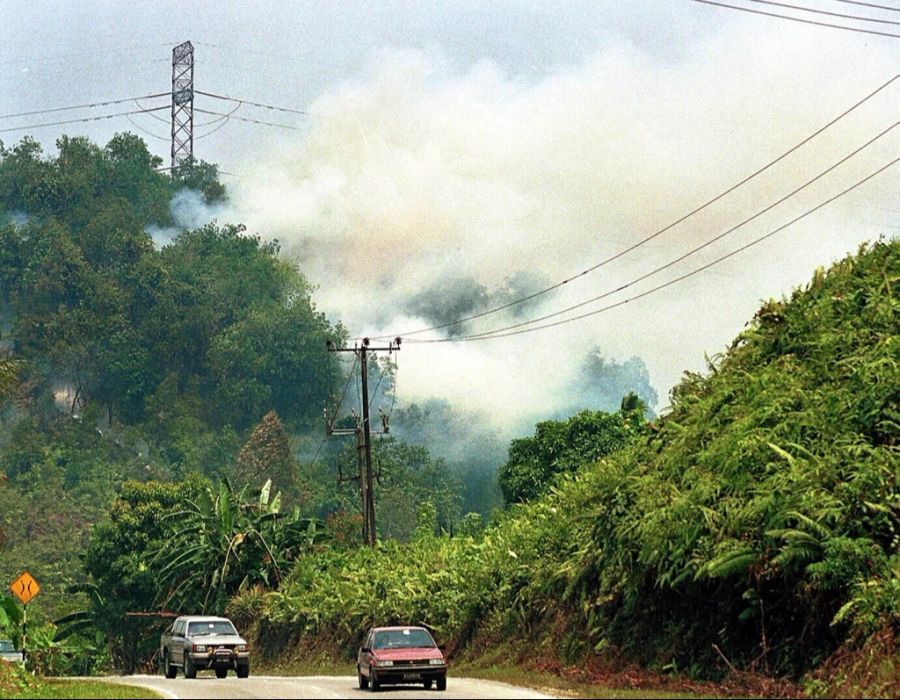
(458,149)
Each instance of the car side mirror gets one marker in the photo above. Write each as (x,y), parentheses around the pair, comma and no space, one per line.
(442,647)
(365,649)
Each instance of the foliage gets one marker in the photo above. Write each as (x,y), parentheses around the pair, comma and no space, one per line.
(561,447)
(760,517)
(10,619)
(97,308)
(223,541)
(120,557)
(81,655)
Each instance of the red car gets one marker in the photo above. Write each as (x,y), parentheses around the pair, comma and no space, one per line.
(395,655)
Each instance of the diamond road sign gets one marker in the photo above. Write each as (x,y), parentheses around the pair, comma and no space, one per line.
(25,587)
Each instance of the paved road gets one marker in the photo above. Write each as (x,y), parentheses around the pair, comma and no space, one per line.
(205,686)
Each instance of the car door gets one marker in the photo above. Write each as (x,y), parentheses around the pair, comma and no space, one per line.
(365,657)
(178,641)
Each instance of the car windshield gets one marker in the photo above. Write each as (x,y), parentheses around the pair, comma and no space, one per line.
(405,638)
(6,646)
(197,629)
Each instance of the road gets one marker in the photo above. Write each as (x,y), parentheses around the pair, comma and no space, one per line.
(205,686)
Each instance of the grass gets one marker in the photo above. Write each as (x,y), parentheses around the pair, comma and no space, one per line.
(62,688)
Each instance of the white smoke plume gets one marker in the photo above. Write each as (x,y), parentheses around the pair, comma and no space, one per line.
(189,211)
(419,173)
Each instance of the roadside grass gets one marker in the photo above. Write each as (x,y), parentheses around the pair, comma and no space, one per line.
(553,684)
(64,688)
(16,682)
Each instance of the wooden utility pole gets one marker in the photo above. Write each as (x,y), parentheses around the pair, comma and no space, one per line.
(364,434)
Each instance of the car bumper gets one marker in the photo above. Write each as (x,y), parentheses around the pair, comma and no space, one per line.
(409,674)
(219,660)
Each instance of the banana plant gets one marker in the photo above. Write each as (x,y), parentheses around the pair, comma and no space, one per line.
(225,540)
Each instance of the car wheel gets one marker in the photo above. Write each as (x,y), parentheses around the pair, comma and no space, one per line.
(221,673)
(363,681)
(243,670)
(168,669)
(373,679)
(190,671)
(442,683)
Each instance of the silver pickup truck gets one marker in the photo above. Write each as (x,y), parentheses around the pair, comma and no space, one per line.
(195,642)
(8,652)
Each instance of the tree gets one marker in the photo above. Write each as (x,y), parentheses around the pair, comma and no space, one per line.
(563,446)
(200,176)
(267,456)
(222,541)
(273,359)
(120,559)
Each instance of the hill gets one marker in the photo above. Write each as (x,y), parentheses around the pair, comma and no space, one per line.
(757,522)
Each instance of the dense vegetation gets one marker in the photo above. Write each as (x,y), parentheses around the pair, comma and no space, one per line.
(133,361)
(158,401)
(758,521)
(186,359)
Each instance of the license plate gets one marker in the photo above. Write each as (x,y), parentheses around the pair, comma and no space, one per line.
(412,676)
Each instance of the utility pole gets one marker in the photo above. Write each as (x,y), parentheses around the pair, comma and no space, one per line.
(182,104)
(364,434)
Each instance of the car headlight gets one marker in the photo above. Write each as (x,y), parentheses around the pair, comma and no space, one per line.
(436,662)
(384,663)
(199,647)
(242,647)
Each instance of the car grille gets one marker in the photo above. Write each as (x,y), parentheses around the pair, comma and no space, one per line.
(411,662)
(220,647)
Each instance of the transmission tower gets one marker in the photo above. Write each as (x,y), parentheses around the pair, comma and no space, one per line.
(182,103)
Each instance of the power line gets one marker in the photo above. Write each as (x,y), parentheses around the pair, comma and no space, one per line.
(672,281)
(825,12)
(334,412)
(83,119)
(88,105)
(245,119)
(657,233)
(255,104)
(394,388)
(340,400)
(213,130)
(105,52)
(798,19)
(167,122)
(146,131)
(869,4)
(698,248)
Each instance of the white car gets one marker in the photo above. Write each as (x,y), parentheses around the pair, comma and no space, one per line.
(8,652)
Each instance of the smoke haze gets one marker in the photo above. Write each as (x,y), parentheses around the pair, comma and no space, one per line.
(421,190)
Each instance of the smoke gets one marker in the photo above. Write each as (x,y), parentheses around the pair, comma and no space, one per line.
(189,210)
(17,219)
(467,442)
(421,189)
(449,299)
(601,383)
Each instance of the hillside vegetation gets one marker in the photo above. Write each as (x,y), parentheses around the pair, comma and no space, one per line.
(757,522)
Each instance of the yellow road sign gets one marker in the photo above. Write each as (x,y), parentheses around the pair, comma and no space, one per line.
(25,587)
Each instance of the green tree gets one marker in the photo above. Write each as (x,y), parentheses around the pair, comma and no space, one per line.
(121,561)
(559,447)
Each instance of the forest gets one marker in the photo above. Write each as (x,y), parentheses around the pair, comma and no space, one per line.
(162,451)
